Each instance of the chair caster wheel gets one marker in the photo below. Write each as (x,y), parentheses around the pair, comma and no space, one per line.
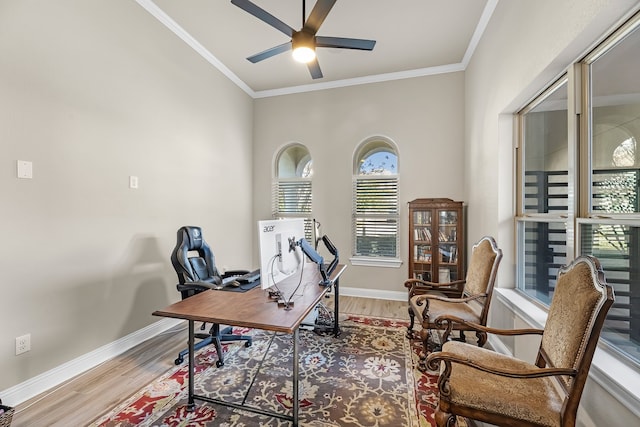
(219,364)
(247,344)
(178,361)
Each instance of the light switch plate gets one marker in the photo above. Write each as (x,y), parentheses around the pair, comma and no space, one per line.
(25,169)
(133,181)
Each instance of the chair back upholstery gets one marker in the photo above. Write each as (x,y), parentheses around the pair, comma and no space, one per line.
(192,258)
(577,312)
(482,272)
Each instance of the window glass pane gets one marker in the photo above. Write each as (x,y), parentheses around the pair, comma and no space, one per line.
(615,190)
(615,128)
(292,195)
(375,200)
(542,251)
(381,162)
(546,154)
(618,249)
(294,162)
(376,217)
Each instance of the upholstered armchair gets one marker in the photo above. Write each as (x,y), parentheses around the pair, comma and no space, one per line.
(428,302)
(499,389)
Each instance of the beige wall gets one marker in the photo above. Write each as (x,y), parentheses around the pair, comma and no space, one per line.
(423,116)
(92,92)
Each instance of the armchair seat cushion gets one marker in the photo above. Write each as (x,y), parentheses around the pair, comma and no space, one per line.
(438,308)
(535,400)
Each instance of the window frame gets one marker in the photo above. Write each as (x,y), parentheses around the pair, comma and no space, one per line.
(580,170)
(292,184)
(365,149)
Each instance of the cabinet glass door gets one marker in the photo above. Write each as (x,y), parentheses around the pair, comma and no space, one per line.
(422,223)
(448,246)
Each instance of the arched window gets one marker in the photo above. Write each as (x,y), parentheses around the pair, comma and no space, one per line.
(375,199)
(625,154)
(292,185)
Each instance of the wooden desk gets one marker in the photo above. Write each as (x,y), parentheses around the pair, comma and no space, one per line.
(254,309)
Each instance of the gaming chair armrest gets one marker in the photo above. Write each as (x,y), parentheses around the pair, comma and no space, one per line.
(234,273)
(198,286)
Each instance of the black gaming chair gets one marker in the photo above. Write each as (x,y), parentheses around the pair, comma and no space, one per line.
(195,265)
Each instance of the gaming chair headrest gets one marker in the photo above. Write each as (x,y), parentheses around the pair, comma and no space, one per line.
(193,237)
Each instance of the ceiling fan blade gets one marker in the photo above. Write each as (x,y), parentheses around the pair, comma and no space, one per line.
(314,69)
(264,16)
(318,15)
(345,43)
(270,52)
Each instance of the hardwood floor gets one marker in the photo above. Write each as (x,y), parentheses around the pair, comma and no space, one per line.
(81,400)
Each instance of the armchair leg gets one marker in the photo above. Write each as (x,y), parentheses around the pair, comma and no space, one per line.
(428,346)
(412,318)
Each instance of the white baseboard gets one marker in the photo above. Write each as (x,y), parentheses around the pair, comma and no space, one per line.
(374,293)
(48,380)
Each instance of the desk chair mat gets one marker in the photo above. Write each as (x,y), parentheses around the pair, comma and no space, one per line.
(243,287)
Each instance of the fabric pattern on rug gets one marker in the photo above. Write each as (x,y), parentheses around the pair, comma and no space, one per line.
(365,377)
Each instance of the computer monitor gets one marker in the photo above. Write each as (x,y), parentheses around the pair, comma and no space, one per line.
(279,256)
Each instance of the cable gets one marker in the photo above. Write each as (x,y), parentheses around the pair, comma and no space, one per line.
(288,302)
(273,279)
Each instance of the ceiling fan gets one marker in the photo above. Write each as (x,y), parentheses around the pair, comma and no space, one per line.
(305,41)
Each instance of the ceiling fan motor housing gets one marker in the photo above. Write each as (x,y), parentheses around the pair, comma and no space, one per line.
(303,38)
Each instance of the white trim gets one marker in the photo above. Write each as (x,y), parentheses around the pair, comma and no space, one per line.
(172,25)
(497,345)
(48,380)
(477,34)
(367,261)
(618,378)
(374,294)
(430,71)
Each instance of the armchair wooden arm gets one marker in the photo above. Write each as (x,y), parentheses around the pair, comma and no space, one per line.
(434,359)
(422,298)
(447,323)
(419,287)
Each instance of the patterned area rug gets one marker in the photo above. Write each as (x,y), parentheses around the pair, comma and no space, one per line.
(365,377)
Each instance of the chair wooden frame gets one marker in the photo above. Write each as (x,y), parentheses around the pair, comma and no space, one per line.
(546,393)
(477,287)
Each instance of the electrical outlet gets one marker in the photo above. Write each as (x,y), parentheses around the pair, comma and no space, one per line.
(23,344)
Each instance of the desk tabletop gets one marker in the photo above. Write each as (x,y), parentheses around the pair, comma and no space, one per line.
(254,308)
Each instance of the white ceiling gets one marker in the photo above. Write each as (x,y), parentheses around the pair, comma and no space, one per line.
(413,38)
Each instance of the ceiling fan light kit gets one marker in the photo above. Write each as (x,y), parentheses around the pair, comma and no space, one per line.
(305,41)
(304,47)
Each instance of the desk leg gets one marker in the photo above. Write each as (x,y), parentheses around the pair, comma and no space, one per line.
(336,299)
(191,406)
(296,377)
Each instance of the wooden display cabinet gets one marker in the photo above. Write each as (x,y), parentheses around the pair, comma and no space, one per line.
(436,240)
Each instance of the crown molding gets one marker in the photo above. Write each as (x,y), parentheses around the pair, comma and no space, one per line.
(173,26)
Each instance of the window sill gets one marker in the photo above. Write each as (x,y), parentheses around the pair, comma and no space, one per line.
(619,378)
(367,261)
